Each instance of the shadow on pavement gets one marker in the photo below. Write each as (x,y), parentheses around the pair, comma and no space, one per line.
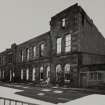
(52,95)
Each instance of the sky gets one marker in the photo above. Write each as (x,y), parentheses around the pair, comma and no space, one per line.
(21,20)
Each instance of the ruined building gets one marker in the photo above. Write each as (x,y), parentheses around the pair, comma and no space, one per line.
(71,54)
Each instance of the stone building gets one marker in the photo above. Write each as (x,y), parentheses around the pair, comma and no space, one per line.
(71,54)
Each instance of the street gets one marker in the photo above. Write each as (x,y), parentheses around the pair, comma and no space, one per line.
(49,96)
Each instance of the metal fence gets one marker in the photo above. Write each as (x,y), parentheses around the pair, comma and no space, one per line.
(7,101)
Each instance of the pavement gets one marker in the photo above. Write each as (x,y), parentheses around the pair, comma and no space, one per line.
(50,95)
(9,93)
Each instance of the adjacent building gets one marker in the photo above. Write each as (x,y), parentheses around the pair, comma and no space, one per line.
(71,54)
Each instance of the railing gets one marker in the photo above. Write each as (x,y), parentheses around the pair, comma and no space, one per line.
(7,101)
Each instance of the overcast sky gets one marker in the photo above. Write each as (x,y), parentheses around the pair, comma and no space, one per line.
(21,20)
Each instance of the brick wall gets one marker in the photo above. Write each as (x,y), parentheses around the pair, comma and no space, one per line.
(91,40)
(90,59)
(71,27)
(45,38)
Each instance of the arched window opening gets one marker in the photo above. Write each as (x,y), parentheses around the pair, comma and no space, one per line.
(42,48)
(33,74)
(67,73)
(27,53)
(34,50)
(41,73)
(48,72)
(58,68)
(13,74)
(21,74)
(58,72)
(27,74)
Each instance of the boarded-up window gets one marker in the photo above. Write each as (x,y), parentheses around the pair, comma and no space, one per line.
(68,43)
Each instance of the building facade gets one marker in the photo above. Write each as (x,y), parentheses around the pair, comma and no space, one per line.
(71,54)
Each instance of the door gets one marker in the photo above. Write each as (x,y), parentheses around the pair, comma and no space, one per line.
(83,80)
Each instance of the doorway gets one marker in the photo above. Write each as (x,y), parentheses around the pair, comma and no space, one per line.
(83,80)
